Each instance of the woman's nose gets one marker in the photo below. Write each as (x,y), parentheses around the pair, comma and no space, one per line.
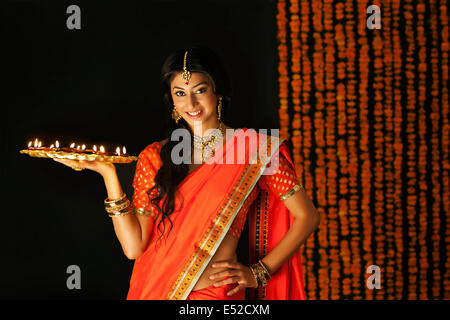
(191,101)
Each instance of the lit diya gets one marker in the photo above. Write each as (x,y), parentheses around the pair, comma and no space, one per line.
(77,152)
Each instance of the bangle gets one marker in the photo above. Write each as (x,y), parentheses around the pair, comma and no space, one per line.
(144,212)
(121,213)
(112,203)
(120,207)
(266,272)
(261,272)
(297,187)
(255,277)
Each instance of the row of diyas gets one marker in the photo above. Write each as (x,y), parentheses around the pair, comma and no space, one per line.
(37,145)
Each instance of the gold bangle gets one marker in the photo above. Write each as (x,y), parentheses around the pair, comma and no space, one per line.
(124,205)
(113,202)
(261,273)
(255,277)
(116,204)
(266,272)
(121,213)
(144,212)
(297,187)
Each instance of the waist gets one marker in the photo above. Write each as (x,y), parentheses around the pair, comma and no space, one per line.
(226,251)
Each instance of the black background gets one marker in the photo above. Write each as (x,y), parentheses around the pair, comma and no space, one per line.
(100,85)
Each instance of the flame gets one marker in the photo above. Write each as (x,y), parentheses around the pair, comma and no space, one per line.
(30,144)
(36,143)
(124,150)
(102,149)
(40,144)
(57,143)
(83,147)
(52,146)
(72,145)
(95,148)
(78,147)
(118,151)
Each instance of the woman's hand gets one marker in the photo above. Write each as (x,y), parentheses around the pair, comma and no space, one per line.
(102,167)
(237,273)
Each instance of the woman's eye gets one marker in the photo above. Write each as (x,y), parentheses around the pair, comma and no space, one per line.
(181,93)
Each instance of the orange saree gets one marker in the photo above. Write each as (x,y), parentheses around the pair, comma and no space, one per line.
(209,199)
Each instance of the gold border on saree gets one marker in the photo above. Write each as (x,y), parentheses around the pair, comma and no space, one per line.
(221,224)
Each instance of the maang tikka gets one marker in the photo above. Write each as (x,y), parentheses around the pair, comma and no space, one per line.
(186,75)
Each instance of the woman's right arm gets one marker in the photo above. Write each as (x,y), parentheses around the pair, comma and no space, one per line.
(131,230)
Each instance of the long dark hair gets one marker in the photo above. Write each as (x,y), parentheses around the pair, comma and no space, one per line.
(170,175)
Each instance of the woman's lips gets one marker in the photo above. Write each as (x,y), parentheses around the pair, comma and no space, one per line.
(195,114)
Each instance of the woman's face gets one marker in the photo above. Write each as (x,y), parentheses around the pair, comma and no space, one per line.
(195,101)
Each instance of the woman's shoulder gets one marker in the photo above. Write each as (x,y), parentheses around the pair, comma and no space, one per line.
(163,142)
(151,152)
(155,146)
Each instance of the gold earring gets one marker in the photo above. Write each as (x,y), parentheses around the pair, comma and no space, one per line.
(175,115)
(219,109)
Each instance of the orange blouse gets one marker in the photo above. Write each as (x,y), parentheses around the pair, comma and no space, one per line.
(280,183)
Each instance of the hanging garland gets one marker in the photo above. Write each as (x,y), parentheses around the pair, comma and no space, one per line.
(367,114)
(398,150)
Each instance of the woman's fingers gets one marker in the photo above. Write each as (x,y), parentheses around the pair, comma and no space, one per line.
(232,266)
(73,163)
(221,274)
(225,264)
(239,280)
(235,290)
(235,273)
(226,281)
(101,167)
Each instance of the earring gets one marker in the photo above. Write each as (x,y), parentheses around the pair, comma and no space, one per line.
(175,115)
(219,108)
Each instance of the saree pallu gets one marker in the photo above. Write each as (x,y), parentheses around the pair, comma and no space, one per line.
(207,202)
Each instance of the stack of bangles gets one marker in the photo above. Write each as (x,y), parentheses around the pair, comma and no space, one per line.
(260,273)
(118,207)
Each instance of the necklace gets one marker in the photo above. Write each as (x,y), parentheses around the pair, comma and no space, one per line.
(208,143)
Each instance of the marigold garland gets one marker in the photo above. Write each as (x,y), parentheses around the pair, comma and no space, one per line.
(398,149)
(367,114)
(445,139)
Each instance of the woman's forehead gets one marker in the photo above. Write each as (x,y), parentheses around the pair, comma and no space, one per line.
(196,79)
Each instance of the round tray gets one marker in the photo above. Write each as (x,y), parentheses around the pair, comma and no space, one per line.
(78,156)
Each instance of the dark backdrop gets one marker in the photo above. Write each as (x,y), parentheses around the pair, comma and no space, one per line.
(100,85)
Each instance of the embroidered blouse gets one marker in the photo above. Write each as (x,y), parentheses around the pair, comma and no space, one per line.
(283,183)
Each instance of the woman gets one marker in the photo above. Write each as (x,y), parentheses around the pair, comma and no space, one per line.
(185,219)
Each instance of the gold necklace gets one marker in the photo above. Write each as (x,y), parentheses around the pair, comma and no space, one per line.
(208,143)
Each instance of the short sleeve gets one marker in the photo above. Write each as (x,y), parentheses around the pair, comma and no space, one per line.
(144,179)
(281,181)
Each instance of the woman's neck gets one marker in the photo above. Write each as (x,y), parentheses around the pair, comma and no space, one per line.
(201,130)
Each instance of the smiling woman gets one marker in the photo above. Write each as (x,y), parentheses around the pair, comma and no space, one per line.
(185,220)
(197,92)
(196,101)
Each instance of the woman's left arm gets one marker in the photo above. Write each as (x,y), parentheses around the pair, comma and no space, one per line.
(306,221)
